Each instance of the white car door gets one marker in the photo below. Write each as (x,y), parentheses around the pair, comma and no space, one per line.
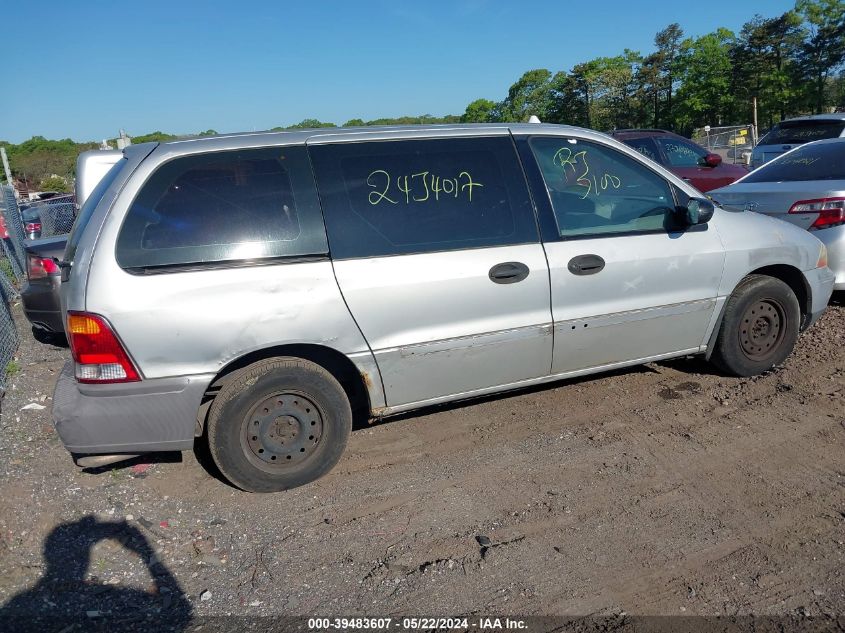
(628,281)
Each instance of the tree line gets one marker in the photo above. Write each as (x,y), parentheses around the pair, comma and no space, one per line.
(789,64)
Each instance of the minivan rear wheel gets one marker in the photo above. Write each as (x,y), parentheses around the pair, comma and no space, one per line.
(759,327)
(278,424)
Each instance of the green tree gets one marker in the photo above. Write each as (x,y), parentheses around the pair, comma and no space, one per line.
(623,108)
(415,120)
(531,94)
(586,78)
(54,183)
(480,111)
(836,92)
(156,136)
(705,71)
(354,123)
(668,43)
(306,124)
(649,86)
(607,90)
(823,50)
(38,158)
(566,104)
(763,62)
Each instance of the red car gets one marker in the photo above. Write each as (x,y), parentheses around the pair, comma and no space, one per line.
(682,157)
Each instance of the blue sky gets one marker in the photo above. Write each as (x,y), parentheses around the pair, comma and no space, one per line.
(85,69)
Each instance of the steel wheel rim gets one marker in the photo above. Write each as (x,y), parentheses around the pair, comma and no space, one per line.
(762,328)
(282,431)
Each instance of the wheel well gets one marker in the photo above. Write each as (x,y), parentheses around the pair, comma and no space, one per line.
(793,278)
(336,363)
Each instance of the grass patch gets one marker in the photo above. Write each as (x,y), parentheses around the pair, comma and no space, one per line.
(12,367)
(6,268)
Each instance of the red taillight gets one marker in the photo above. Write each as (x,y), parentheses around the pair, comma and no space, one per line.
(99,356)
(4,234)
(40,267)
(831,211)
(33,227)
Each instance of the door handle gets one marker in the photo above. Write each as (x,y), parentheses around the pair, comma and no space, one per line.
(585,265)
(508,272)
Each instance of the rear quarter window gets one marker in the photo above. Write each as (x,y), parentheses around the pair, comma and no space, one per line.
(645,146)
(816,161)
(682,153)
(789,133)
(228,206)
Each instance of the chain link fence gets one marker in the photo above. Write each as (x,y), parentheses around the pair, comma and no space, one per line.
(55,219)
(733,142)
(8,332)
(26,221)
(12,272)
(13,246)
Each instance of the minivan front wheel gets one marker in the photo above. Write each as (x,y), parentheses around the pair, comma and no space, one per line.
(278,424)
(759,327)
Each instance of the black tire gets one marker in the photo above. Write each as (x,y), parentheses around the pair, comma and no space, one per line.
(759,327)
(278,424)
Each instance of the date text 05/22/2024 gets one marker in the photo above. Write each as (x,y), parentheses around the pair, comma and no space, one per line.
(415,624)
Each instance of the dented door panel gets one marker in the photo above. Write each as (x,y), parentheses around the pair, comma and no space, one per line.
(437,324)
(655,296)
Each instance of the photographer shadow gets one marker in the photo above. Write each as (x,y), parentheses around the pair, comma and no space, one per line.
(63,599)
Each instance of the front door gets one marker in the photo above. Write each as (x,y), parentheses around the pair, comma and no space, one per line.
(627,282)
(436,251)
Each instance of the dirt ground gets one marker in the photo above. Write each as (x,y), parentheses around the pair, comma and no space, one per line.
(661,490)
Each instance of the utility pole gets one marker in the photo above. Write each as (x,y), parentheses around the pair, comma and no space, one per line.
(6,169)
(754,114)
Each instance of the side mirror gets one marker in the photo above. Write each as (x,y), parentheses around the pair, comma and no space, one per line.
(712,160)
(698,211)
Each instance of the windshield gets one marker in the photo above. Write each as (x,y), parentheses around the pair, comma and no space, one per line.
(88,207)
(793,132)
(816,161)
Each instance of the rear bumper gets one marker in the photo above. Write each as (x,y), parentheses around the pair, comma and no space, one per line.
(821,281)
(42,306)
(834,240)
(140,417)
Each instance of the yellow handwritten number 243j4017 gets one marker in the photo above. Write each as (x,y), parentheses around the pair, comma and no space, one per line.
(420,187)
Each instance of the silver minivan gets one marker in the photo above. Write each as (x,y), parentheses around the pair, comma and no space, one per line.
(259,291)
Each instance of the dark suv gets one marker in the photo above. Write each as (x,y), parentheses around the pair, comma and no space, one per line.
(681,156)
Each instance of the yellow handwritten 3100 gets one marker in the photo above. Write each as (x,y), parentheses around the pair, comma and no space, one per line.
(420,187)
(580,168)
